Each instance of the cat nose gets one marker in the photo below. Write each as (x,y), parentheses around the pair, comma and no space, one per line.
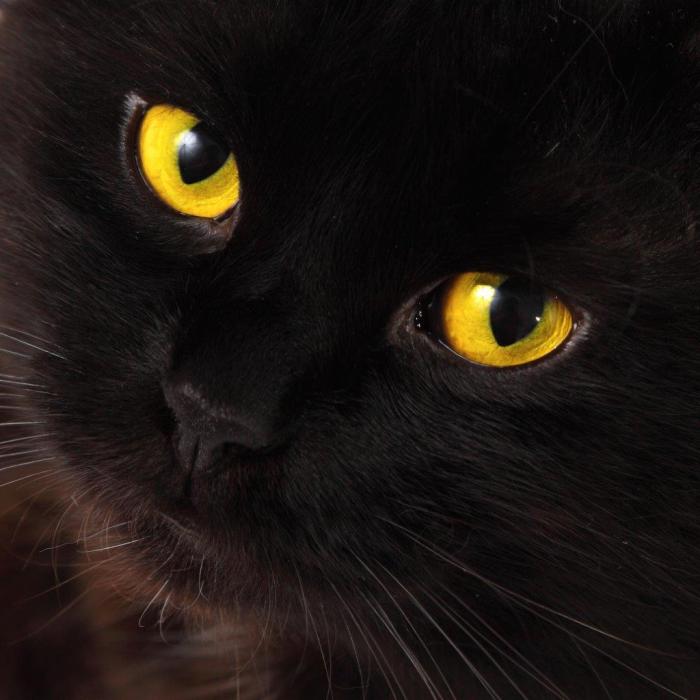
(206,427)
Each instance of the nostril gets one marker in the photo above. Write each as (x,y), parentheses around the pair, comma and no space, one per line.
(186,446)
(196,453)
(207,429)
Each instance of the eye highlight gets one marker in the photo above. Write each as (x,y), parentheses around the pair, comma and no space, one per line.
(496,320)
(186,163)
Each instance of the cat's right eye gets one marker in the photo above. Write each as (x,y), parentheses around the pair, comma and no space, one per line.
(497,320)
(186,163)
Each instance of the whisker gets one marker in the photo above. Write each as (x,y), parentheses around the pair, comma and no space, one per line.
(29,476)
(468,630)
(151,602)
(610,656)
(200,581)
(534,608)
(307,613)
(373,647)
(65,582)
(326,666)
(26,464)
(28,390)
(364,684)
(29,335)
(56,530)
(512,594)
(105,530)
(31,345)
(593,35)
(55,617)
(410,655)
(592,667)
(534,673)
(113,546)
(5,351)
(7,455)
(31,498)
(330,650)
(470,665)
(24,439)
(10,380)
(161,618)
(408,621)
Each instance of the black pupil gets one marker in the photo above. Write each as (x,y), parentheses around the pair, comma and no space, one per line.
(201,154)
(516,310)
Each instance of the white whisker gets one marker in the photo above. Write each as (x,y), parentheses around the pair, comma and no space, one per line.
(24,439)
(153,600)
(26,464)
(410,624)
(373,647)
(528,668)
(29,335)
(467,661)
(16,381)
(502,589)
(536,609)
(468,630)
(5,351)
(161,617)
(22,454)
(30,345)
(408,652)
(113,546)
(29,476)
(593,668)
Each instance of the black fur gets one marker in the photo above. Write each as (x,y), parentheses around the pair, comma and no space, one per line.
(533,531)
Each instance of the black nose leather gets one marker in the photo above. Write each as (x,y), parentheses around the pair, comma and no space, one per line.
(206,427)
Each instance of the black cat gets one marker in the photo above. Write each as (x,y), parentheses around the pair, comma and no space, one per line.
(364,332)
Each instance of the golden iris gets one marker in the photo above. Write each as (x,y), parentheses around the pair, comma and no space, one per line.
(501,321)
(186,163)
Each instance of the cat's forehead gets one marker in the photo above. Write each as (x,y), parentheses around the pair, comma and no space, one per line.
(261,63)
(261,45)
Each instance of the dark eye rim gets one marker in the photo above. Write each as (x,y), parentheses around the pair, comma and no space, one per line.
(429,329)
(137,108)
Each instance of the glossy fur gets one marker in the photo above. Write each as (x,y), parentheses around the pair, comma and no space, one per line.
(401,522)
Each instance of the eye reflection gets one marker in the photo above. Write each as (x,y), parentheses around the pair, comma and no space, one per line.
(201,154)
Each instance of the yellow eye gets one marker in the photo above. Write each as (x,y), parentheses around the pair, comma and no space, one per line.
(186,163)
(500,321)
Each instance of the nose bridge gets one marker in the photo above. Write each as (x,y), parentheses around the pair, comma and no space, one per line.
(240,374)
(270,328)
(250,351)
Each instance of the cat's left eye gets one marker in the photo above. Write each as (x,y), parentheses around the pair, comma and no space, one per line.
(186,163)
(497,320)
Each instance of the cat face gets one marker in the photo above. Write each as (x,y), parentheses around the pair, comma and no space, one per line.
(274,392)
